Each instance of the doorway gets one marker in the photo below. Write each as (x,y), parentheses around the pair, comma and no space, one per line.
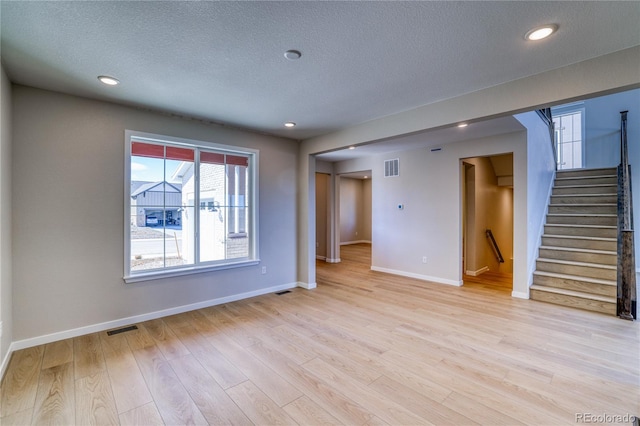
(487,221)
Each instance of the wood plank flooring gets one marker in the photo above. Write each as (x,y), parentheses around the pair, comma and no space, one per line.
(363,348)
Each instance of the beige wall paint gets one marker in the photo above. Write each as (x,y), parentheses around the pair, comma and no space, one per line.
(366,209)
(489,206)
(6,276)
(322,213)
(68,187)
(355,210)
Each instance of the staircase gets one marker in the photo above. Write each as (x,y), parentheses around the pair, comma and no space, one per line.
(577,263)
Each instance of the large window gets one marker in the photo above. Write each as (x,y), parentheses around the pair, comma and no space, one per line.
(569,130)
(189,206)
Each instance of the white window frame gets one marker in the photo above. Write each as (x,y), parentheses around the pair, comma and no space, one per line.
(252,197)
(569,109)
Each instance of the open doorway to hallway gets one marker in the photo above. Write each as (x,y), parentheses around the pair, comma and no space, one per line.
(343,212)
(487,221)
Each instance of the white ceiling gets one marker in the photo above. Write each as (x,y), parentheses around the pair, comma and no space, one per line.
(224,62)
(431,138)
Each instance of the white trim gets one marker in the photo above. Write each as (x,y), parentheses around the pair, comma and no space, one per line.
(338,260)
(344,243)
(418,276)
(5,361)
(478,272)
(321,257)
(252,197)
(186,271)
(308,286)
(519,295)
(81,331)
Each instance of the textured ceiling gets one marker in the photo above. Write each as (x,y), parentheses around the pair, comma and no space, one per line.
(223,61)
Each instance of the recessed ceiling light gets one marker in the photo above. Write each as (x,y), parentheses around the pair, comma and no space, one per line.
(366,177)
(463,125)
(292,55)
(289,124)
(352,147)
(110,81)
(541,32)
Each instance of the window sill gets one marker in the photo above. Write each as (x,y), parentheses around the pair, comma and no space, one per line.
(156,275)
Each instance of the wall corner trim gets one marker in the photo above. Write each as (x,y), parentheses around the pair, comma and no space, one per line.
(81,331)
(519,295)
(5,361)
(478,272)
(308,286)
(437,280)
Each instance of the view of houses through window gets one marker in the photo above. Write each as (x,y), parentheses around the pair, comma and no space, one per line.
(189,206)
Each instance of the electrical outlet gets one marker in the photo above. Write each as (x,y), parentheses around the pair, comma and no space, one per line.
(264,270)
(356,233)
(317,245)
(424,259)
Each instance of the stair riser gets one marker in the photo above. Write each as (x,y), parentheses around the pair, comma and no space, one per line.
(568,208)
(609,180)
(576,243)
(586,172)
(583,271)
(574,302)
(585,199)
(583,220)
(580,231)
(577,256)
(569,190)
(575,285)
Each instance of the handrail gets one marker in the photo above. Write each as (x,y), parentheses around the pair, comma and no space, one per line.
(626,277)
(494,246)
(547,117)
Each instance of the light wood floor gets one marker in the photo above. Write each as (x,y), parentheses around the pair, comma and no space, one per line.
(363,348)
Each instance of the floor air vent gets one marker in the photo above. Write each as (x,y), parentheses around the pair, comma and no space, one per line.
(121,330)
(280,293)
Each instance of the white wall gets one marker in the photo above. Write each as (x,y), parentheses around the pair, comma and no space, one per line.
(6,316)
(430,225)
(68,253)
(540,170)
(602,128)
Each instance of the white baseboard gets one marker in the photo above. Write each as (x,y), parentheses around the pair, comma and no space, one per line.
(5,361)
(478,272)
(418,276)
(321,257)
(338,260)
(81,331)
(519,295)
(308,286)
(344,243)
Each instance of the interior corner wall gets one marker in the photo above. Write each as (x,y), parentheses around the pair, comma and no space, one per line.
(365,228)
(430,224)
(602,127)
(6,276)
(68,228)
(322,205)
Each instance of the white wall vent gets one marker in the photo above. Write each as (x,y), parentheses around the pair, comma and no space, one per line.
(392,167)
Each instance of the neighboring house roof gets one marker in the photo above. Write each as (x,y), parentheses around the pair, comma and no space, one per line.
(156,187)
